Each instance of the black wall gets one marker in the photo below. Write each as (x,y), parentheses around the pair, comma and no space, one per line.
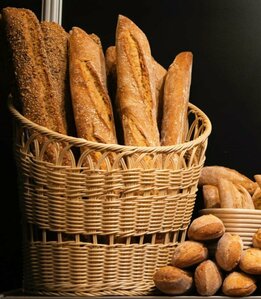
(225,38)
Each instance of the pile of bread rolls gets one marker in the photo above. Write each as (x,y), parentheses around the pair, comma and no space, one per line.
(223,187)
(68,83)
(230,270)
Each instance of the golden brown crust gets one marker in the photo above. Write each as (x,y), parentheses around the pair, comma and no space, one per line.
(210,196)
(135,85)
(90,99)
(189,253)
(36,88)
(175,100)
(210,175)
(250,261)
(257,239)
(238,284)
(229,250)
(206,227)
(208,278)
(56,44)
(172,280)
(30,64)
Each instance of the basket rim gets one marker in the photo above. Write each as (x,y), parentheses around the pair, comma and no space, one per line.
(76,141)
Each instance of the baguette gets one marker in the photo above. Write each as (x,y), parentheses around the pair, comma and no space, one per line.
(33,76)
(90,99)
(35,85)
(210,175)
(136,91)
(56,44)
(175,100)
(159,73)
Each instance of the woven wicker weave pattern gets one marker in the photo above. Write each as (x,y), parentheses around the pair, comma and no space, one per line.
(103,229)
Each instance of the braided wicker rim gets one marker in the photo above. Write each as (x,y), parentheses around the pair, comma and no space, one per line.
(116,147)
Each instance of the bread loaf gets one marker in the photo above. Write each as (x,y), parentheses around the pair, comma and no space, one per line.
(256,239)
(90,99)
(211,196)
(175,100)
(36,87)
(210,175)
(136,91)
(238,284)
(172,280)
(56,44)
(228,251)
(206,227)
(250,261)
(189,253)
(159,74)
(208,278)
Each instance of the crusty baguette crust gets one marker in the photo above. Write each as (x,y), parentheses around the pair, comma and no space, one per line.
(175,100)
(135,85)
(91,102)
(56,44)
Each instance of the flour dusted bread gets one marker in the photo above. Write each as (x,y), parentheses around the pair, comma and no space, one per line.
(90,99)
(175,100)
(136,91)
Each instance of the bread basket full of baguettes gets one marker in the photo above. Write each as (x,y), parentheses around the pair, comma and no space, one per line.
(107,191)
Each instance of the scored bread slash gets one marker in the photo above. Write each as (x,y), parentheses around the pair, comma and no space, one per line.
(136,85)
(175,100)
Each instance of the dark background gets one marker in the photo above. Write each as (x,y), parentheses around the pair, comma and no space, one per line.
(225,38)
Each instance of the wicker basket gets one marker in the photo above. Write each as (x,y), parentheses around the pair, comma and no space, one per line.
(103,228)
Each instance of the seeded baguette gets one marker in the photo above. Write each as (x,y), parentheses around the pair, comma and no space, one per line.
(37,92)
(56,44)
(34,80)
(136,90)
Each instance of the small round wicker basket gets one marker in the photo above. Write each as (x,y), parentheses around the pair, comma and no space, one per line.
(103,226)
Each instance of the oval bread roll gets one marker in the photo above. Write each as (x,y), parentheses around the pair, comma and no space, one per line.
(211,196)
(206,227)
(250,261)
(172,280)
(207,278)
(189,253)
(228,252)
(257,239)
(238,284)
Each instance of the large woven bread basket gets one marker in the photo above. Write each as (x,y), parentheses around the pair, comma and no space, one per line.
(103,229)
